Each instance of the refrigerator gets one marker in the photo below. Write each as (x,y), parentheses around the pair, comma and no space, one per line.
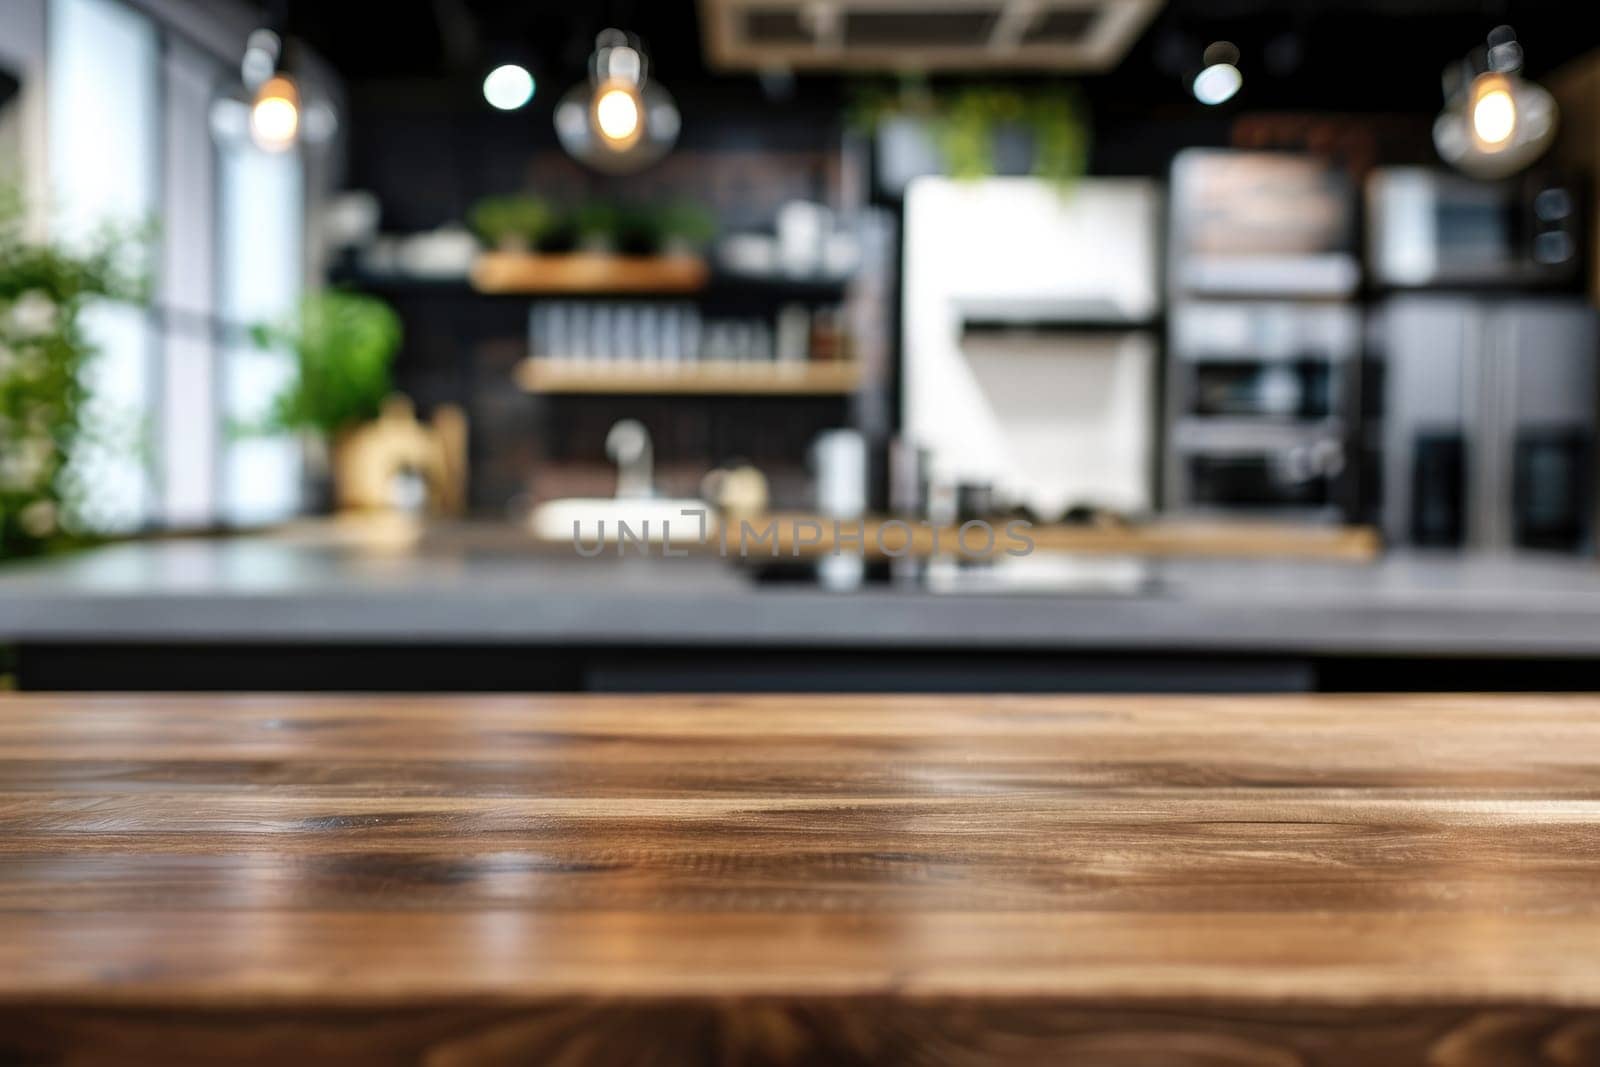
(1488,420)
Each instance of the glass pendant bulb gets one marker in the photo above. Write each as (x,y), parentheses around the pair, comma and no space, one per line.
(1494,122)
(275,114)
(620,120)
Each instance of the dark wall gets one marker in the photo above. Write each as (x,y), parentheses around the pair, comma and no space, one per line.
(429,148)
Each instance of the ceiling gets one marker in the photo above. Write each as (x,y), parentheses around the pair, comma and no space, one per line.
(922,35)
(1343,55)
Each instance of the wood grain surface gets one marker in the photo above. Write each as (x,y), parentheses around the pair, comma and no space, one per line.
(584,273)
(883,537)
(780,879)
(701,377)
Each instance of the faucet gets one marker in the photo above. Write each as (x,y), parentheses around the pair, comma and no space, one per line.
(628,446)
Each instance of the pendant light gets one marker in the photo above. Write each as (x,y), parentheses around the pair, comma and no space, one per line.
(1219,78)
(266,107)
(620,120)
(508,87)
(275,114)
(1495,122)
(274,117)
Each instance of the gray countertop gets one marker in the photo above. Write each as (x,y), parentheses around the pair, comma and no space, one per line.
(269,590)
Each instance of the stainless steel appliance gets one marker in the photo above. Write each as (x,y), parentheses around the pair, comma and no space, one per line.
(1434,229)
(1489,420)
(1264,335)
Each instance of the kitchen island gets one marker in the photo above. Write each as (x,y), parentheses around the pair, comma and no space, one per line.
(481,609)
(789,879)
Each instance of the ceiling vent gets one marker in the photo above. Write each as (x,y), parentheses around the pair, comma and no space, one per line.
(918,35)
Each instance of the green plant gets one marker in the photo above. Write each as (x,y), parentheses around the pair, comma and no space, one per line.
(513,220)
(44,288)
(967,121)
(344,344)
(687,222)
(597,222)
(638,229)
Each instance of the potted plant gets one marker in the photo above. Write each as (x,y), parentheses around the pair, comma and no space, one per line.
(597,225)
(344,345)
(43,352)
(513,223)
(685,228)
(638,230)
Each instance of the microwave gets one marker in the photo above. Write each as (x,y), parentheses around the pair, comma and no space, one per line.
(1433,229)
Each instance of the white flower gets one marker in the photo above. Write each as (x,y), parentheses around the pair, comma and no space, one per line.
(23,463)
(38,519)
(33,314)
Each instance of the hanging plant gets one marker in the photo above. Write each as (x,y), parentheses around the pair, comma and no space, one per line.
(973,126)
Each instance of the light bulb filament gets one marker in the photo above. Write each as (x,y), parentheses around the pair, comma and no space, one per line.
(617,115)
(1493,112)
(275,115)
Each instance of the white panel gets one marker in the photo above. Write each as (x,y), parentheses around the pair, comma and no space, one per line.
(260,218)
(104,131)
(261,238)
(1058,422)
(1028,241)
(1055,420)
(190,433)
(1404,242)
(111,461)
(190,430)
(261,473)
(102,115)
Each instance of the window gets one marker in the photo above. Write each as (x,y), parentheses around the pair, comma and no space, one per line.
(104,130)
(259,213)
(175,385)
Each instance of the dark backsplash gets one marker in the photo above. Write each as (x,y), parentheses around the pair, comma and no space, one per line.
(429,155)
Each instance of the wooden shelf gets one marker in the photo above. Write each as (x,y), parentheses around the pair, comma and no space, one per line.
(1176,537)
(588,272)
(702,378)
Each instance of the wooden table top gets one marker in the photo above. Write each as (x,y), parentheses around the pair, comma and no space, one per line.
(792,879)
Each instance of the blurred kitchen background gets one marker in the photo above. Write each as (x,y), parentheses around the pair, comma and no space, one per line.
(1278,281)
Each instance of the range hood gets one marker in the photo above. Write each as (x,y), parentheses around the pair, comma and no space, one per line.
(895,35)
